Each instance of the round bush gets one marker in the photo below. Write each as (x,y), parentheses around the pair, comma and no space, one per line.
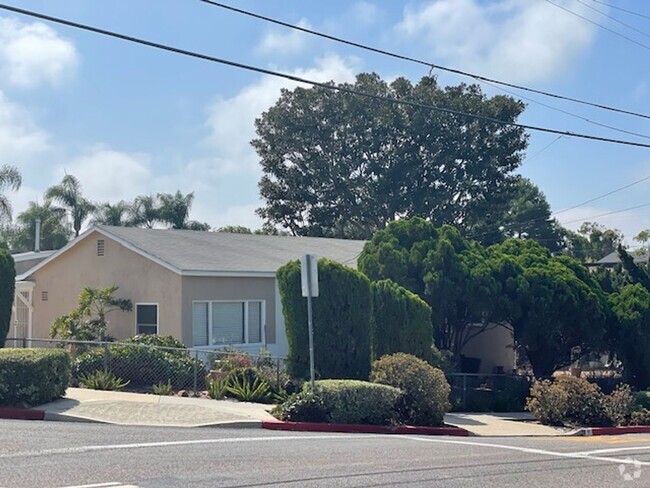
(425,389)
(342,402)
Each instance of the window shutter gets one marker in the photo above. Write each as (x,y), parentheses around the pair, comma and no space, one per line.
(227,322)
(254,322)
(200,324)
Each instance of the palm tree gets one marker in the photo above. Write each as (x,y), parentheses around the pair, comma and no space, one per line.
(117,214)
(145,211)
(68,195)
(175,211)
(55,231)
(9,178)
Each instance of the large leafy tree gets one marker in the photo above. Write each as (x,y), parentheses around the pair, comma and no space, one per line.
(174,210)
(9,178)
(557,306)
(526,215)
(55,231)
(69,195)
(451,274)
(337,164)
(632,308)
(592,241)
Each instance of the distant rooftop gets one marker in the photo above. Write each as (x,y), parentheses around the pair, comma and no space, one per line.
(612,259)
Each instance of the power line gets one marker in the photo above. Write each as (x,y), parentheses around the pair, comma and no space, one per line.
(632,12)
(605,214)
(529,159)
(420,61)
(326,86)
(586,19)
(603,195)
(605,14)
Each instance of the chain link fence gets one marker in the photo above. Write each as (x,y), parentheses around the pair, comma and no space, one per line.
(143,366)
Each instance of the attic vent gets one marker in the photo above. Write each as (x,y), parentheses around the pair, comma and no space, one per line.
(44,296)
(100,247)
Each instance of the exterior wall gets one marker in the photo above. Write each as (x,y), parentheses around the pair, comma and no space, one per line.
(231,288)
(138,278)
(494,348)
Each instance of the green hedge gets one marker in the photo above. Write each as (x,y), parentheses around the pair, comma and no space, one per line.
(341,321)
(342,402)
(401,321)
(7,289)
(31,377)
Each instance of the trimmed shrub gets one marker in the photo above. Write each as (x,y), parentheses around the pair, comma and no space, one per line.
(31,377)
(401,321)
(7,289)
(642,400)
(342,402)
(575,401)
(341,321)
(426,391)
(640,417)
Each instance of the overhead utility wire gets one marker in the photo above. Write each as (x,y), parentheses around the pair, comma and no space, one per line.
(611,17)
(605,214)
(420,61)
(615,7)
(326,86)
(603,195)
(586,19)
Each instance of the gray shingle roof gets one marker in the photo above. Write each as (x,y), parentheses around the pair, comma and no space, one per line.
(612,258)
(189,250)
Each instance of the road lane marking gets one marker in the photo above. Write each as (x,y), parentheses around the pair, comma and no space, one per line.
(529,450)
(97,485)
(613,450)
(140,445)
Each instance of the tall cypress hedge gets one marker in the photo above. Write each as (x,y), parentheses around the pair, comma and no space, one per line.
(7,289)
(341,312)
(401,321)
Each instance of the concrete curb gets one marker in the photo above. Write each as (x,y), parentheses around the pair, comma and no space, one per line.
(16,413)
(363,429)
(630,429)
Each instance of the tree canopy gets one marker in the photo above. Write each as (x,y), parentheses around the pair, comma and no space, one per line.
(9,178)
(339,165)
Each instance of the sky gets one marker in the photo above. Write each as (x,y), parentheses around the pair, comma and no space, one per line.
(129,120)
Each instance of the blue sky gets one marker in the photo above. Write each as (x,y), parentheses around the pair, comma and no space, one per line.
(129,120)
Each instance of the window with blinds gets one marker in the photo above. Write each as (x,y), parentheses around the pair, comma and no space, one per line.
(146,318)
(236,322)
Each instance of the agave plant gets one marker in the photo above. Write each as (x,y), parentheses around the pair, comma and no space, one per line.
(245,390)
(102,380)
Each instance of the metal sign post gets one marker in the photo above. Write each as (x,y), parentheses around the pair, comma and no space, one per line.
(309,282)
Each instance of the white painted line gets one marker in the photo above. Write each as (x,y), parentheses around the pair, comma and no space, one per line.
(108,447)
(97,485)
(613,450)
(528,450)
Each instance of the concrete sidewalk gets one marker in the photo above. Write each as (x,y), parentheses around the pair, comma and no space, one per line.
(122,408)
(116,407)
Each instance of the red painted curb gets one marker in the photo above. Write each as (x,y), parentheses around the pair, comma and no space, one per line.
(630,429)
(363,429)
(21,413)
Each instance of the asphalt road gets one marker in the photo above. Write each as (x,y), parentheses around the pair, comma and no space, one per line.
(56,454)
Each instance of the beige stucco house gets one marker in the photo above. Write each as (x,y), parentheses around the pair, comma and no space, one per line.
(205,288)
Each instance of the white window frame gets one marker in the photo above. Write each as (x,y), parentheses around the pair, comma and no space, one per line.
(245,343)
(157,316)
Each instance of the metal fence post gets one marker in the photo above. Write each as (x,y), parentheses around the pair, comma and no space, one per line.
(24,342)
(465,392)
(196,372)
(277,373)
(106,357)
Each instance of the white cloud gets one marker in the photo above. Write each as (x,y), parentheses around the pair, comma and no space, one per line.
(525,41)
(365,12)
(231,120)
(32,54)
(109,175)
(20,138)
(236,215)
(286,41)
